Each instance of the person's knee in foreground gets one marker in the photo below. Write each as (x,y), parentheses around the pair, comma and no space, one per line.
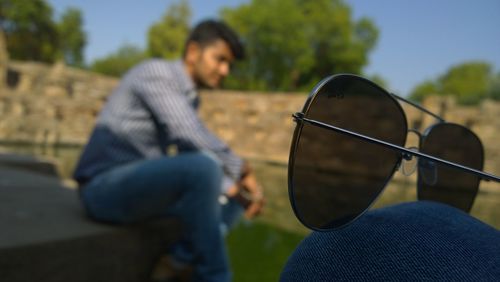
(151,156)
(418,241)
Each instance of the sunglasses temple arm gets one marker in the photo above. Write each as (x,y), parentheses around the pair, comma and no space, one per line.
(481,174)
(417,106)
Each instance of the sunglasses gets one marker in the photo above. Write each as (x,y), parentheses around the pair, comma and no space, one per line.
(349,141)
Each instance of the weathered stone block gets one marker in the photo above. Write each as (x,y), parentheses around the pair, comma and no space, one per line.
(45,236)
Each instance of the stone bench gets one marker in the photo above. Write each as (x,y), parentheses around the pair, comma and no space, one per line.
(45,236)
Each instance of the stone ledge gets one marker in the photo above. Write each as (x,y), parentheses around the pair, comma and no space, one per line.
(28,163)
(45,236)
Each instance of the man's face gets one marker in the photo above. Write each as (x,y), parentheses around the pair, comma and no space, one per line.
(211,64)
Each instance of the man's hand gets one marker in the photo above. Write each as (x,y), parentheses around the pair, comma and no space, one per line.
(248,193)
(250,189)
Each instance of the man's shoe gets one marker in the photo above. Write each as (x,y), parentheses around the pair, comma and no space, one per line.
(167,270)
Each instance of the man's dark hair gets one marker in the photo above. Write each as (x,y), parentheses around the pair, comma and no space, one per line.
(208,31)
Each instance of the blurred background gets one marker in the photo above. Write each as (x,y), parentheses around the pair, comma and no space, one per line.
(61,58)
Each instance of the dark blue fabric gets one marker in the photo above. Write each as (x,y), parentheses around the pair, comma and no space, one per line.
(412,241)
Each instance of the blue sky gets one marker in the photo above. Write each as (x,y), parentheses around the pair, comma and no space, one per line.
(418,40)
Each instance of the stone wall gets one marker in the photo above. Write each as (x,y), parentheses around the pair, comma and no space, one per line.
(50,104)
(58,105)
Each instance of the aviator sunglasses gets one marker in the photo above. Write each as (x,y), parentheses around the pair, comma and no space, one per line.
(349,141)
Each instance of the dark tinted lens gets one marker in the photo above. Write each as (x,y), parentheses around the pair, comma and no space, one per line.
(334,177)
(443,183)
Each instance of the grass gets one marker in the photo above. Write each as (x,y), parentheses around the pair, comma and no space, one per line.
(258,251)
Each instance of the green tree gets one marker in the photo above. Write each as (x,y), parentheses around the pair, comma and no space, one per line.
(72,37)
(276,46)
(29,29)
(116,64)
(166,37)
(469,82)
(494,92)
(424,89)
(291,45)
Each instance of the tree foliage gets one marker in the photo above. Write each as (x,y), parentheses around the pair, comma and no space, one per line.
(118,63)
(32,34)
(495,88)
(292,50)
(165,39)
(29,29)
(424,89)
(469,82)
(72,37)
(167,36)
(293,44)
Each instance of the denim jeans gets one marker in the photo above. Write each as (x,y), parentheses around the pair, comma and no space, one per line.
(417,241)
(187,186)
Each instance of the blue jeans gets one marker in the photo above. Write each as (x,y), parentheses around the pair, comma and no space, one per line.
(417,241)
(187,186)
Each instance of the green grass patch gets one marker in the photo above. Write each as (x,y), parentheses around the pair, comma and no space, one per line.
(259,251)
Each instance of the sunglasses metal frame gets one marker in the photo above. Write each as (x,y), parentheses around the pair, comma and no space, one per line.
(406,153)
(299,116)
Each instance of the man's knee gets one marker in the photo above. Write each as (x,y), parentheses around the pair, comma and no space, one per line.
(207,167)
(208,163)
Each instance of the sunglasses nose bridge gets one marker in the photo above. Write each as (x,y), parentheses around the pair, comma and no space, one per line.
(409,162)
(412,143)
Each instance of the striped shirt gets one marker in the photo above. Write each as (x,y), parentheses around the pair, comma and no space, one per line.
(153,108)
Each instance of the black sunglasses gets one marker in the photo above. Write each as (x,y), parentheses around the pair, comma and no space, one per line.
(349,141)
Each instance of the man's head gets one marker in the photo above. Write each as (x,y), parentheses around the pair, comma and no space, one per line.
(209,52)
